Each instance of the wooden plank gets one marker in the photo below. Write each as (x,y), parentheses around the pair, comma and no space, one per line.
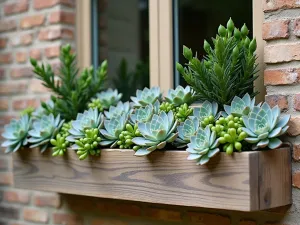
(275,178)
(227,182)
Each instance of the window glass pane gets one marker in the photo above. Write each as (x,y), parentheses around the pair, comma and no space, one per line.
(196,20)
(123,39)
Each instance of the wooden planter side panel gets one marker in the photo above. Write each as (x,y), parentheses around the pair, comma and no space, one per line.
(232,183)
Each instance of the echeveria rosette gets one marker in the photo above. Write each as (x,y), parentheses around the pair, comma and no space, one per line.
(204,145)
(146,96)
(112,130)
(185,131)
(87,120)
(180,96)
(16,133)
(156,133)
(109,97)
(120,108)
(263,126)
(206,113)
(43,130)
(142,114)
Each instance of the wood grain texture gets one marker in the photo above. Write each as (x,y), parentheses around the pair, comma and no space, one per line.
(227,182)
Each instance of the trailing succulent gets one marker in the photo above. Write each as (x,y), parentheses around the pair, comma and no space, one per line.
(146,96)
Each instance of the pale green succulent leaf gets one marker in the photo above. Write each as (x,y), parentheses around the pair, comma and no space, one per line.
(274,143)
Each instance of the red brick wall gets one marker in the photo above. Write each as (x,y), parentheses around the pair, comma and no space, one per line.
(37,28)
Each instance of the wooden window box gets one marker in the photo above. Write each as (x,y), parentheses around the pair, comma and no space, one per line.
(247,181)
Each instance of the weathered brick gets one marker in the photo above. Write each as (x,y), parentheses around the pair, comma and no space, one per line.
(9,212)
(272,5)
(6,178)
(67,219)
(3,42)
(42,4)
(51,34)
(35,215)
(294,124)
(247,222)
(281,76)
(3,104)
(16,196)
(52,51)
(36,86)
(47,199)
(296,152)
(32,21)
(62,17)
(5,58)
(280,100)
(16,7)
(163,214)
(13,87)
(277,29)
(21,103)
(296,179)
(21,72)
(22,40)
(282,53)
(35,53)
(7,25)
(21,57)
(297,102)
(208,219)
(107,221)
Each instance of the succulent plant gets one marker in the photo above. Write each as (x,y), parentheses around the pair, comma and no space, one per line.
(29,110)
(96,104)
(16,133)
(180,96)
(185,131)
(146,96)
(112,130)
(206,113)
(183,112)
(45,108)
(126,136)
(156,133)
(142,114)
(264,125)
(109,97)
(166,107)
(43,130)
(240,106)
(60,144)
(204,145)
(121,108)
(87,120)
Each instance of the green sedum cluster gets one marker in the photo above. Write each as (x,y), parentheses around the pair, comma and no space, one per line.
(60,144)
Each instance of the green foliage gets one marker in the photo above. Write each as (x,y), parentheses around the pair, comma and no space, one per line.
(166,107)
(144,114)
(185,131)
(72,92)
(121,108)
(109,98)
(28,111)
(146,96)
(60,144)
(180,96)
(183,112)
(227,70)
(126,136)
(96,104)
(240,106)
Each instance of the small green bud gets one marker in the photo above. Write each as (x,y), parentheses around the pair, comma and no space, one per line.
(218,70)
(206,46)
(231,124)
(33,62)
(222,140)
(237,34)
(252,46)
(222,31)
(247,42)
(235,52)
(238,146)
(187,53)
(230,117)
(229,149)
(230,25)
(244,31)
(179,68)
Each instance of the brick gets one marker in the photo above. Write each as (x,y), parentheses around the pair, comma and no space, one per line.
(42,4)
(296,179)
(297,102)
(32,21)
(62,17)
(281,76)
(294,124)
(106,221)
(26,39)
(21,72)
(163,214)
(16,196)
(247,222)
(277,29)
(52,51)
(9,212)
(6,178)
(3,42)
(282,53)
(51,34)
(208,219)
(21,57)
(5,58)
(36,86)
(296,152)
(272,5)
(13,87)
(20,103)
(16,7)
(43,199)
(7,25)
(280,100)
(3,104)
(35,53)
(67,219)
(35,215)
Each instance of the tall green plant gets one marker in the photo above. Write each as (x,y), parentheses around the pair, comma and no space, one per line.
(227,70)
(72,92)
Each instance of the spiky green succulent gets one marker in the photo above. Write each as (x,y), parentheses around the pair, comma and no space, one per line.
(180,96)
(87,120)
(112,130)
(206,113)
(204,145)
(16,133)
(166,107)
(185,131)
(183,112)
(109,98)
(142,114)
(146,96)
(96,104)
(120,108)
(156,133)
(60,144)
(264,125)
(43,130)
(126,136)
